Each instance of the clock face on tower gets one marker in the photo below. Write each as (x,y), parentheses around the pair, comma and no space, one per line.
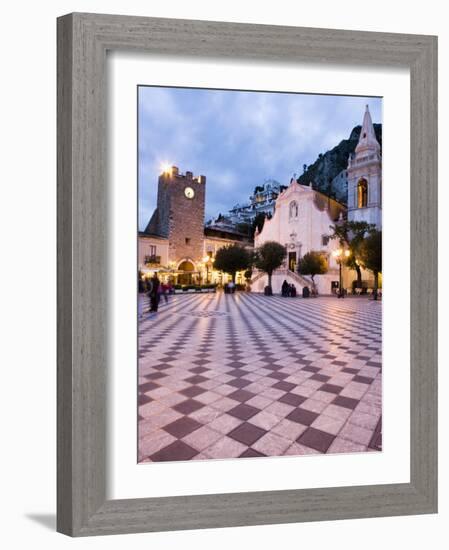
(189,192)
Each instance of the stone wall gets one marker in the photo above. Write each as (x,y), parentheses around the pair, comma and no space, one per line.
(179,218)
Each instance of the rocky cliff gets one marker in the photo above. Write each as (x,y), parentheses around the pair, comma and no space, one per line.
(329,165)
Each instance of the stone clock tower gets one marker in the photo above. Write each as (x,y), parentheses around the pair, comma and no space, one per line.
(179,216)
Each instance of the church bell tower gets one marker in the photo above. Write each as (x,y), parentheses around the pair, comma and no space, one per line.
(365,177)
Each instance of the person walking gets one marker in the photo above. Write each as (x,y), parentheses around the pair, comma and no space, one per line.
(154,293)
(165,291)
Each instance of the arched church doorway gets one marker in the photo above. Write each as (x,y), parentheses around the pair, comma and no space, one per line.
(187,268)
(292,261)
(362,193)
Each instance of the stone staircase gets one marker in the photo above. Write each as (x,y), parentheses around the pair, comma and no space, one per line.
(290,276)
(258,276)
(300,279)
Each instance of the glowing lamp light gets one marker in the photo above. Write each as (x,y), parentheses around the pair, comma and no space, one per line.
(206,259)
(339,253)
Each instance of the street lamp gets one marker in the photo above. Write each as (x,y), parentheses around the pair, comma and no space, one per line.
(208,263)
(166,168)
(339,256)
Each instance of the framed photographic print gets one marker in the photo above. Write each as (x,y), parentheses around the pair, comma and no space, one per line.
(245,335)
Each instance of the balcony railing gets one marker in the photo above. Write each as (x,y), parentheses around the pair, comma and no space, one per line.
(152,260)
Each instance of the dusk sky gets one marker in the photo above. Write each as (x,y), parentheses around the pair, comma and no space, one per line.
(237,139)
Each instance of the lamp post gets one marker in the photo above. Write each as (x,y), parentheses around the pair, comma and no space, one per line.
(208,263)
(172,267)
(339,256)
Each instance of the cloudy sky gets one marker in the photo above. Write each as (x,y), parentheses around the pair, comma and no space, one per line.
(237,139)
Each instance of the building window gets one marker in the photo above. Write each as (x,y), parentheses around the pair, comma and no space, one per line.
(293,210)
(325,240)
(187,240)
(152,250)
(362,193)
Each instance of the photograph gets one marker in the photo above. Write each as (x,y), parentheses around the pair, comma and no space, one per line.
(259,274)
(220,355)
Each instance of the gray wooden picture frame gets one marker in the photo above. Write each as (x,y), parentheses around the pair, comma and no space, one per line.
(83,41)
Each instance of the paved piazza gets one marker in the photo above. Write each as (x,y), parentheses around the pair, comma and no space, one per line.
(244,375)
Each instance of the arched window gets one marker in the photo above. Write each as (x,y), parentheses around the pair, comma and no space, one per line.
(293,210)
(362,193)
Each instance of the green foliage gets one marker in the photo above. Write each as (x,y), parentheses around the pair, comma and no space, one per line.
(258,222)
(198,288)
(313,263)
(232,258)
(371,252)
(351,235)
(371,256)
(269,257)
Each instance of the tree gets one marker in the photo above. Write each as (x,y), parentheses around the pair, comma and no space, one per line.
(258,222)
(313,263)
(351,235)
(268,257)
(248,274)
(371,256)
(232,258)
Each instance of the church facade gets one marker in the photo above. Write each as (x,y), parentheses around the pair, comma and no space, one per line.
(301,222)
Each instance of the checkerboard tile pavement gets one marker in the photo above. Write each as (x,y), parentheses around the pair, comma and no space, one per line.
(245,375)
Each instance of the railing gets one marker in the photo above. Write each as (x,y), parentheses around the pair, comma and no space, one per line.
(303,281)
(259,275)
(152,260)
(300,279)
(363,160)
